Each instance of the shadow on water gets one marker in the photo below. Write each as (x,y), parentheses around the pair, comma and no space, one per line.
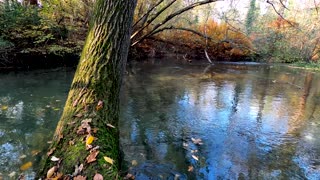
(181,121)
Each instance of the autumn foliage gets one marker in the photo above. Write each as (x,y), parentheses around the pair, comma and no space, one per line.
(223,42)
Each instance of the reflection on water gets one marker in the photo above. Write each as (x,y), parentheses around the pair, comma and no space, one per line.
(253,121)
(30,105)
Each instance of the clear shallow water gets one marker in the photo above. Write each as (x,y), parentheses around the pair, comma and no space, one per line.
(30,106)
(255,122)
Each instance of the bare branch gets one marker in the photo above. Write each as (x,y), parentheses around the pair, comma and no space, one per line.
(284,6)
(152,19)
(145,16)
(168,18)
(274,8)
(316,6)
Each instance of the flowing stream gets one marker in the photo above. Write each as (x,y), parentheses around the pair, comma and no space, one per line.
(181,121)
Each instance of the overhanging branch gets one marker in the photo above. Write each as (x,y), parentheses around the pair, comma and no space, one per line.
(168,18)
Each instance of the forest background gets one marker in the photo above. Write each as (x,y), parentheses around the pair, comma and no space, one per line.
(230,30)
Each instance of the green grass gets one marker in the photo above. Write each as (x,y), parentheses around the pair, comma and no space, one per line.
(304,65)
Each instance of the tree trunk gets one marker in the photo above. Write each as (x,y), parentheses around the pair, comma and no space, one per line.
(92,107)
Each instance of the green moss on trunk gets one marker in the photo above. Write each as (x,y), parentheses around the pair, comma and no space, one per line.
(94,95)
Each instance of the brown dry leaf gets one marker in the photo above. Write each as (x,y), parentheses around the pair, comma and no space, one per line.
(74,104)
(109,125)
(99,105)
(79,177)
(109,160)
(98,176)
(57,177)
(51,151)
(190,168)
(95,130)
(92,156)
(26,166)
(51,171)
(79,115)
(129,176)
(80,130)
(195,157)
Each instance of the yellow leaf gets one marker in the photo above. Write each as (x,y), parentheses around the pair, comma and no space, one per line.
(109,160)
(4,108)
(26,166)
(89,140)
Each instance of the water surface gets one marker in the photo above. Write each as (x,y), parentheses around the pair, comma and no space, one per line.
(254,121)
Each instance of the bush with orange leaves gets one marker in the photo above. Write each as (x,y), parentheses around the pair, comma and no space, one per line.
(223,41)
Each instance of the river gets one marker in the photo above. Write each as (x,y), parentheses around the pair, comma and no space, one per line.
(178,120)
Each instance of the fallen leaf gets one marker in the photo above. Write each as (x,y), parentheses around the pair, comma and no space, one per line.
(71,123)
(190,168)
(57,177)
(71,142)
(129,176)
(35,152)
(185,144)
(86,121)
(134,162)
(197,141)
(74,104)
(99,105)
(109,125)
(92,156)
(195,157)
(26,166)
(78,115)
(22,156)
(95,148)
(79,177)
(80,167)
(109,160)
(194,151)
(98,176)
(12,174)
(4,108)
(51,171)
(77,169)
(54,159)
(95,130)
(21,177)
(89,140)
(51,151)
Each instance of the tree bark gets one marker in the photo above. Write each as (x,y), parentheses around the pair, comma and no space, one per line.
(92,107)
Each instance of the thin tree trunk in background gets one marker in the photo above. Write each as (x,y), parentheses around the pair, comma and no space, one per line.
(92,107)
